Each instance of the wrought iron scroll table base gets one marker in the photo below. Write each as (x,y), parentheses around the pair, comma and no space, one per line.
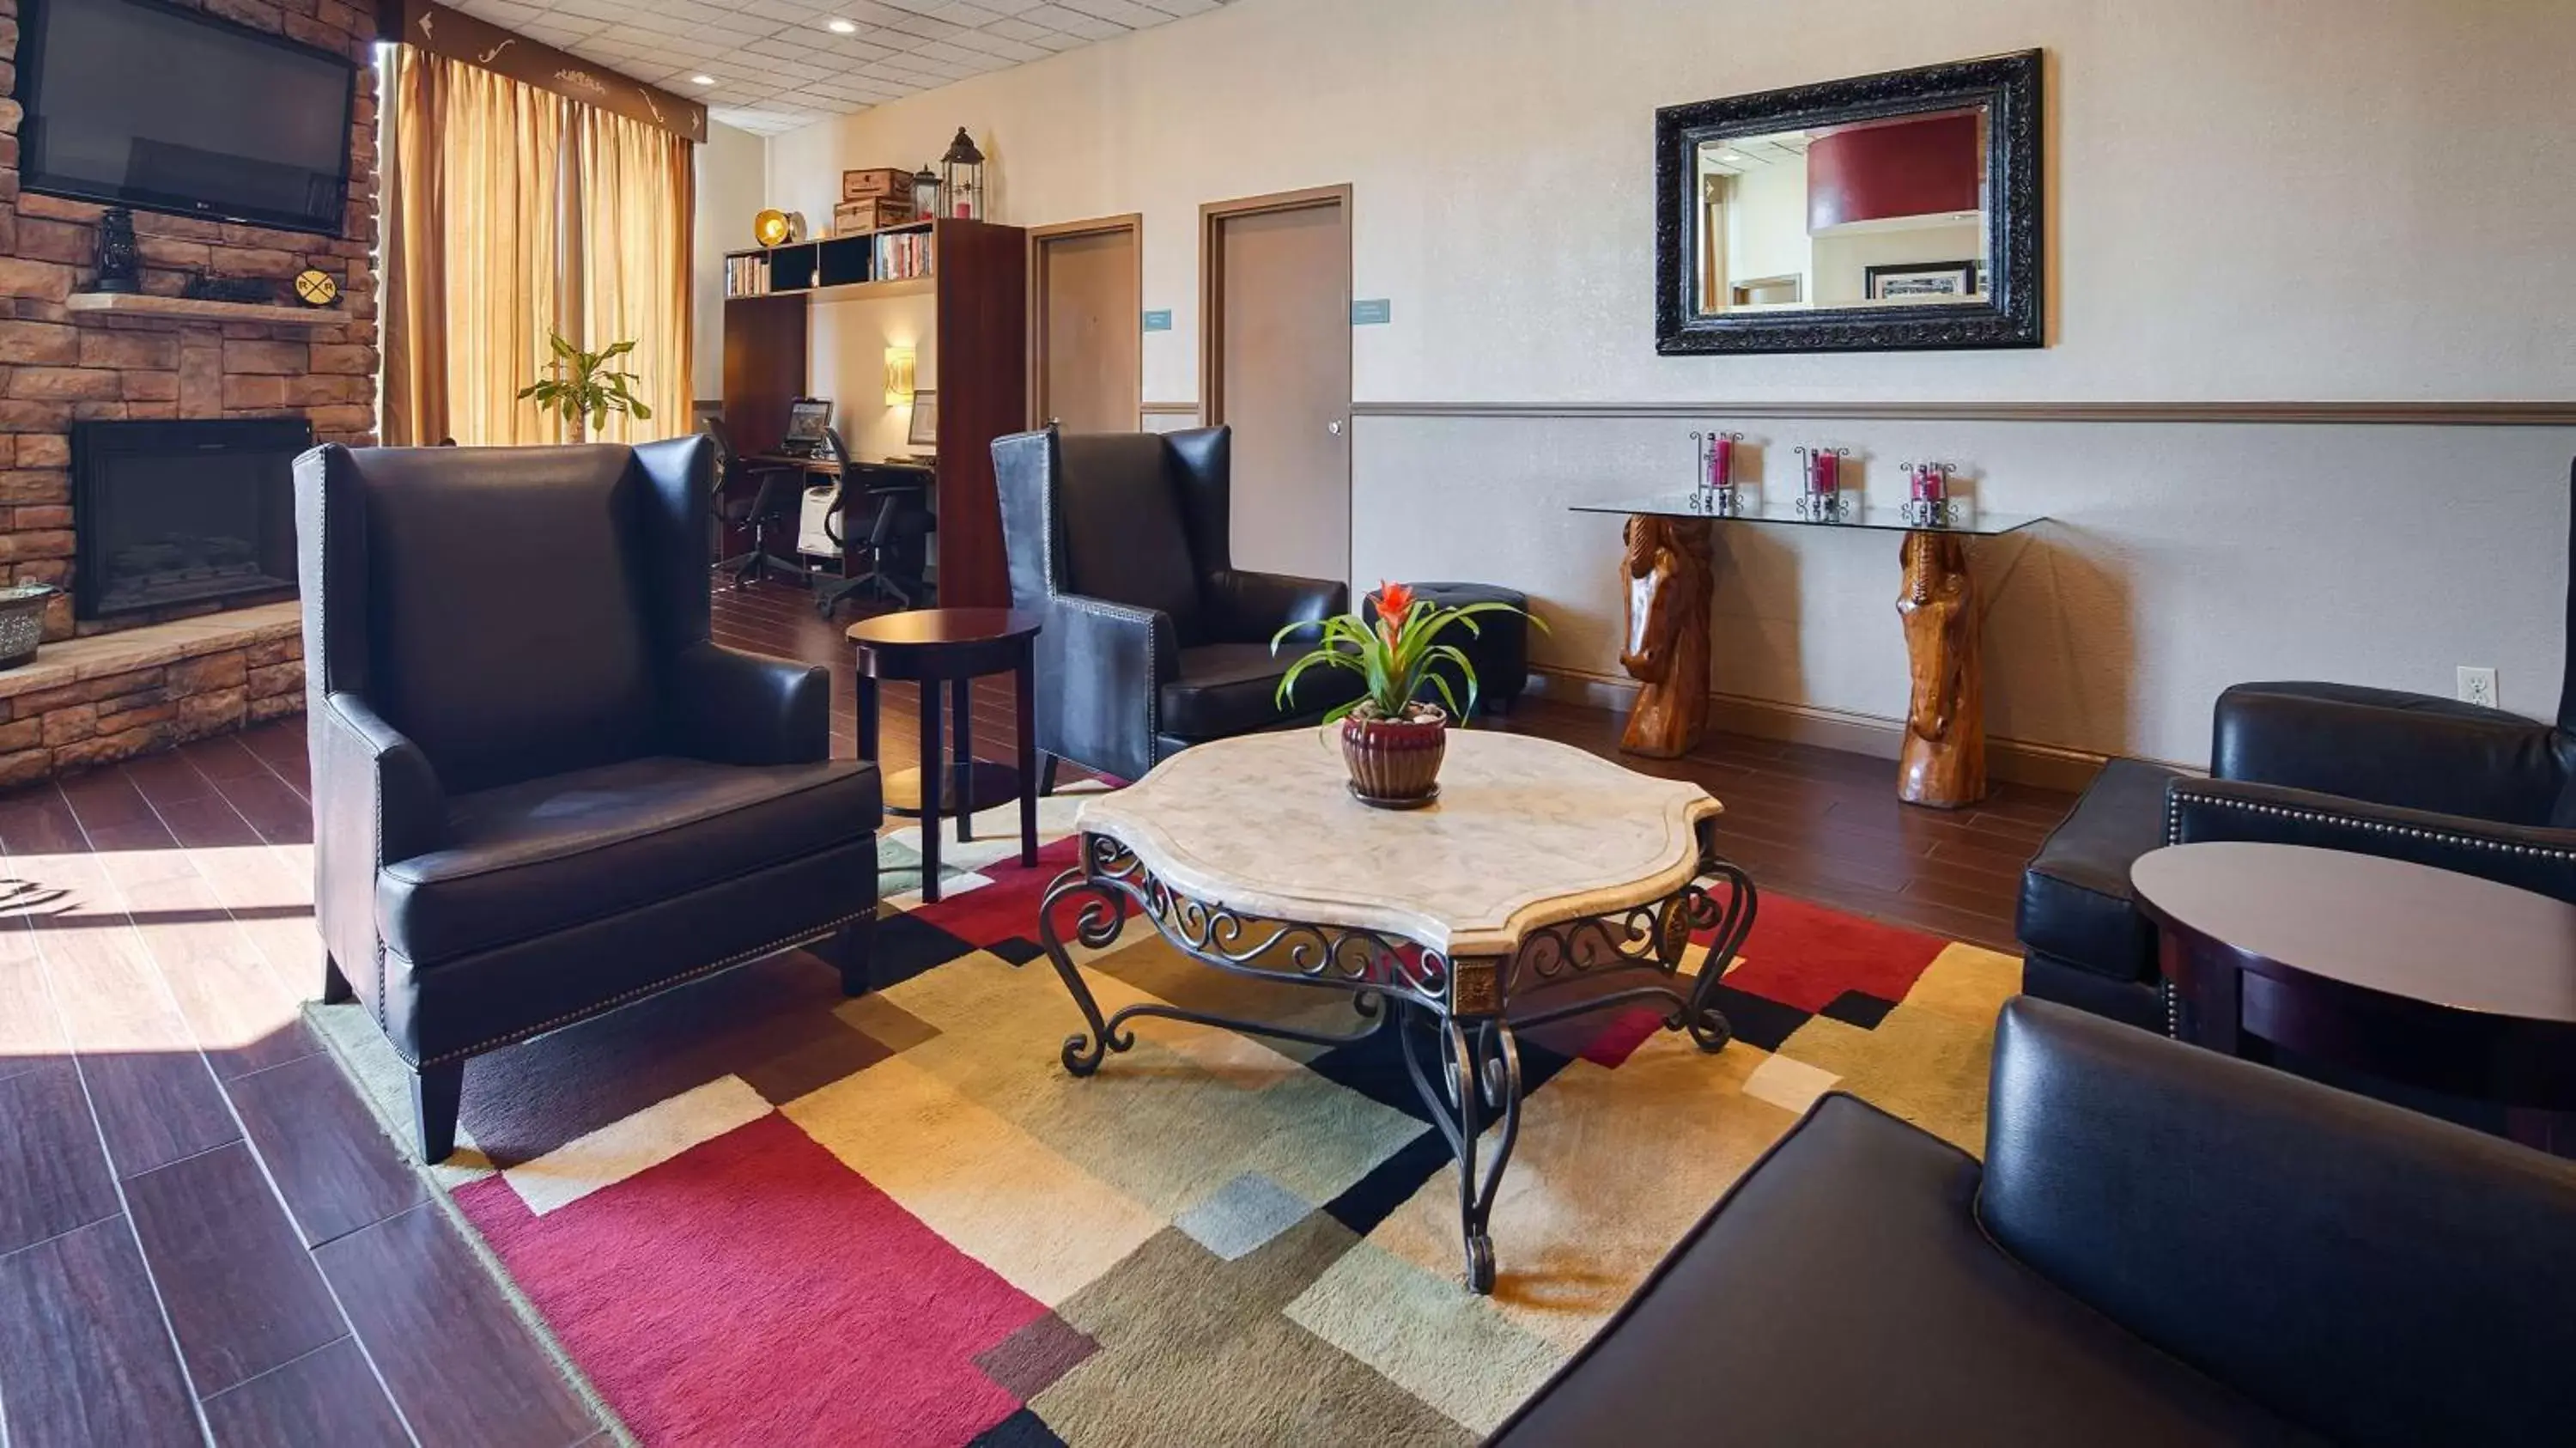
(1458,1021)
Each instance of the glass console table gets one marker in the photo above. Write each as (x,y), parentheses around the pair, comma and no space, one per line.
(1970,522)
(1665,571)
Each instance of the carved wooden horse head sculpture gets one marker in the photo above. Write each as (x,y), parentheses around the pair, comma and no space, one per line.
(1666,569)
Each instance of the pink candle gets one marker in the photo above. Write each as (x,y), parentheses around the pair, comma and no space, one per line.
(1721,462)
(1929,485)
(1827,474)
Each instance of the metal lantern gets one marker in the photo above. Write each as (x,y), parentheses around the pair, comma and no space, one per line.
(925,194)
(961,179)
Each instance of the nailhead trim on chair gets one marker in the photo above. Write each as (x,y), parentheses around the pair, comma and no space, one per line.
(2173,826)
(541,1027)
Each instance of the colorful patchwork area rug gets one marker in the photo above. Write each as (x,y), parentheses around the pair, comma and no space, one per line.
(753,1212)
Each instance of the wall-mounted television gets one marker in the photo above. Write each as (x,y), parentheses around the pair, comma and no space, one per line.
(145,104)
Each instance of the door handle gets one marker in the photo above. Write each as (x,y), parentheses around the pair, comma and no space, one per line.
(1334,427)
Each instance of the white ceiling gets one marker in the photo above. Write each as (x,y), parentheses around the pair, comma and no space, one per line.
(778,65)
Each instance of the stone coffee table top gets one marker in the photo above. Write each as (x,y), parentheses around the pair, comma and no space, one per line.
(1526,832)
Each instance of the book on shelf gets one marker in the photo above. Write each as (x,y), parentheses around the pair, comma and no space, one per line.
(902,256)
(747,276)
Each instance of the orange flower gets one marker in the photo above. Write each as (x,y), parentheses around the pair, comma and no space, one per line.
(1394,602)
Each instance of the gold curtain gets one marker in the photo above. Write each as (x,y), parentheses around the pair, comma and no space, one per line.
(512,213)
(633,197)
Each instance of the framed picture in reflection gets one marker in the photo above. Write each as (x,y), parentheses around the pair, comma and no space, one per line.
(1906,281)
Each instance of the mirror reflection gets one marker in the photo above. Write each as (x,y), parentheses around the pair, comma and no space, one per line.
(1888,212)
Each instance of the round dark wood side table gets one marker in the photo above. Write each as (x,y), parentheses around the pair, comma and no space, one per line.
(2422,976)
(947,649)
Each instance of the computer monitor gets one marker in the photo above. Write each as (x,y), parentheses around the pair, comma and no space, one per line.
(806,419)
(925,420)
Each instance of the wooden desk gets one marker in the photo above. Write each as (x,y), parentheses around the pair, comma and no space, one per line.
(748,467)
(810,462)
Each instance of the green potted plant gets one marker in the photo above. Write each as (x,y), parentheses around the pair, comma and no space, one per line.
(584,389)
(1393,736)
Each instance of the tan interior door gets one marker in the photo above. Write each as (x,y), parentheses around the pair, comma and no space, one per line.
(1087,360)
(1276,362)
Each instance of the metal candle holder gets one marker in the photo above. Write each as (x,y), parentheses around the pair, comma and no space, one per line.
(1716,493)
(1928,503)
(1824,499)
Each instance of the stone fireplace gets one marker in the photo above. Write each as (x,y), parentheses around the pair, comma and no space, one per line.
(177,633)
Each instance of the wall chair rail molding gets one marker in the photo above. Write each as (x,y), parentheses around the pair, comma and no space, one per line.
(459,36)
(2466,413)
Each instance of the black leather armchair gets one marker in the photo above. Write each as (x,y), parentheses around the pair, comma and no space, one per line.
(2380,772)
(2163,1246)
(2336,766)
(539,791)
(1154,640)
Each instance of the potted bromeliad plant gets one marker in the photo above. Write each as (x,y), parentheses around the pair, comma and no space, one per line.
(1393,736)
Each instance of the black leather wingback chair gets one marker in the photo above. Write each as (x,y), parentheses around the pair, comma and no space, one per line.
(1154,640)
(539,791)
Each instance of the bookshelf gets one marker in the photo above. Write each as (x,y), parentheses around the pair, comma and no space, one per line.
(893,261)
(977,273)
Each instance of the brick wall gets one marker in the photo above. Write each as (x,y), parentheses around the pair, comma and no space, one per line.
(113,696)
(58,366)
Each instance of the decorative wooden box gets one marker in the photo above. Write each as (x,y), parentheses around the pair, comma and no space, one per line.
(851,217)
(876,182)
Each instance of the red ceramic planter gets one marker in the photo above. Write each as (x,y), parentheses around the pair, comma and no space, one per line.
(1395,763)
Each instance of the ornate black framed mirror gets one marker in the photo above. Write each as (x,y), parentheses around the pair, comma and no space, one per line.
(1893,212)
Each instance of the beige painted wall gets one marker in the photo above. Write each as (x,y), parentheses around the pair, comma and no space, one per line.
(848,339)
(733,169)
(1766,227)
(2247,202)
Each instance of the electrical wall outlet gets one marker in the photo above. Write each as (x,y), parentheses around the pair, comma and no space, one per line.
(2478,686)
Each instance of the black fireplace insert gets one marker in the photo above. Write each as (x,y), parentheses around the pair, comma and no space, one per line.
(182,512)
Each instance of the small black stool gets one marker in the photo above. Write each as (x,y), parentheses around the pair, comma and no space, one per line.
(1499,648)
(933,647)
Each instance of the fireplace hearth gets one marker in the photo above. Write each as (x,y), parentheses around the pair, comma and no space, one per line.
(169,513)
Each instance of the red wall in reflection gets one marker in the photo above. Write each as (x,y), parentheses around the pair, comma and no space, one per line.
(1910,168)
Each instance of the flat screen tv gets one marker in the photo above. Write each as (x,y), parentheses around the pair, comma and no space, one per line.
(144,104)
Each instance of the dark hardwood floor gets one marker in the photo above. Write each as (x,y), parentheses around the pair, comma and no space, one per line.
(203,1235)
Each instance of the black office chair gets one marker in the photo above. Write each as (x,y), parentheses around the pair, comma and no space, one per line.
(773,504)
(894,549)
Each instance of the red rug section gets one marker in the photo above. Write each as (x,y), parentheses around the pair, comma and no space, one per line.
(1804,955)
(989,914)
(753,1290)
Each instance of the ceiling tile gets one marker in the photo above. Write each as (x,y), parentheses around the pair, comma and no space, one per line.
(778,66)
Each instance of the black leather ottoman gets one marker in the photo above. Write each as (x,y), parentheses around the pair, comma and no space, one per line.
(2085,943)
(1499,650)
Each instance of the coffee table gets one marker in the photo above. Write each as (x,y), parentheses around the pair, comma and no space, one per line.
(2435,979)
(1545,883)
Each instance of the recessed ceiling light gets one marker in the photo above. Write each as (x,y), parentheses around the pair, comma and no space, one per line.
(702,80)
(1730,156)
(841,27)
